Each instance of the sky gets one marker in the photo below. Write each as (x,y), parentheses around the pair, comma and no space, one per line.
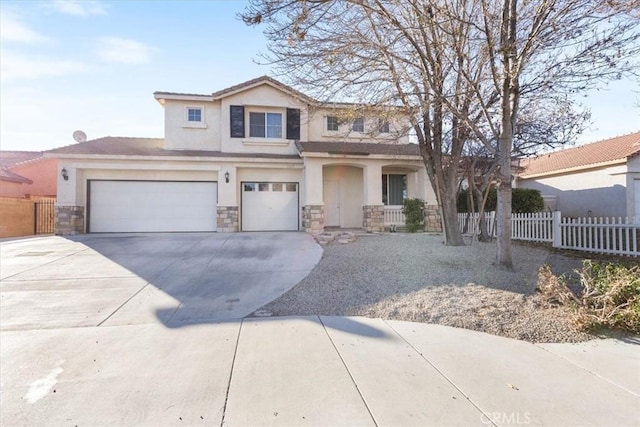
(94,65)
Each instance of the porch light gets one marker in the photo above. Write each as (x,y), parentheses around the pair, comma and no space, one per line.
(226,177)
(64,174)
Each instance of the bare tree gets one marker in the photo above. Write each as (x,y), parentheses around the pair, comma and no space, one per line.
(461,69)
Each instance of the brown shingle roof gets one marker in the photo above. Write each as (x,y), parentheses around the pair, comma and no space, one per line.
(584,156)
(125,146)
(358,148)
(10,158)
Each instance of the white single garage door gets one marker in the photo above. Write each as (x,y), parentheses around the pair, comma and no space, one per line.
(152,206)
(269,206)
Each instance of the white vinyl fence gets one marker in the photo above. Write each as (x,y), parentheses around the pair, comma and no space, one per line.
(618,236)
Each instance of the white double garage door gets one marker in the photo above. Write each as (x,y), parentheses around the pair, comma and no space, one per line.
(186,206)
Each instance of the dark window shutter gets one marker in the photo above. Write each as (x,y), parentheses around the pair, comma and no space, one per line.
(293,123)
(237,121)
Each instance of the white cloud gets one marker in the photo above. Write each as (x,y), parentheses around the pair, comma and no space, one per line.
(16,66)
(79,7)
(123,51)
(13,30)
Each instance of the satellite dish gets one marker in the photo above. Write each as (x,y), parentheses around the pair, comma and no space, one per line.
(79,136)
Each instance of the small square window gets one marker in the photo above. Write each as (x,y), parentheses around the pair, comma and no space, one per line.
(291,187)
(194,115)
(263,187)
(277,186)
(358,124)
(251,186)
(332,123)
(383,126)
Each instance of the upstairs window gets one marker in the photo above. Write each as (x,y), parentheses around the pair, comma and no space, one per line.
(383,126)
(194,115)
(332,123)
(358,124)
(265,125)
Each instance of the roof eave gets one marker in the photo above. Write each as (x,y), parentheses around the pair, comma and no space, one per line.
(615,162)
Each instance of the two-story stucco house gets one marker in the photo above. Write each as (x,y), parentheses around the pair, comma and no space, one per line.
(256,156)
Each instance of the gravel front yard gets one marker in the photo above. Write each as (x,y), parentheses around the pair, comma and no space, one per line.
(415,277)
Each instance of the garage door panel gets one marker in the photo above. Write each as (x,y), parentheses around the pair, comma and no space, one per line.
(275,209)
(152,206)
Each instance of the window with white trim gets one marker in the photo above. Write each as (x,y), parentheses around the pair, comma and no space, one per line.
(394,189)
(383,126)
(358,124)
(332,123)
(265,125)
(194,115)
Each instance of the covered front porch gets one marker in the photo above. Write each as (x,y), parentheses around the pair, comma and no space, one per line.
(358,193)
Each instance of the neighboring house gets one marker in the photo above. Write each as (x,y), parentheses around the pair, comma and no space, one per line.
(252,157)
(27,174)
(599,179)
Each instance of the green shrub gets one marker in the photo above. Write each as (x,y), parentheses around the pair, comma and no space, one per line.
(523,200)
(609,296)
(463,201)
(413,210)
(526,200)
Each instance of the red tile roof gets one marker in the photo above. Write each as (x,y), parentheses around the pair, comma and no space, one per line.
(607,151)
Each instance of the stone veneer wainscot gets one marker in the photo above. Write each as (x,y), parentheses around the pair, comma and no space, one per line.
(69,220)
(228,219)
(313,219)
(373,218)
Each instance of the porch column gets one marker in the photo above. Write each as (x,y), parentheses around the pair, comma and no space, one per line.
(70,209)
(373,209)
(228,200)
(313,204)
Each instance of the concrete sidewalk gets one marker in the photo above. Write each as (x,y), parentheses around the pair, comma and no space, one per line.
(311,371)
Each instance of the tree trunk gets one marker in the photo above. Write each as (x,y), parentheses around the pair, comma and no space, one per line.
(484,233)
(503,213)
(450,219)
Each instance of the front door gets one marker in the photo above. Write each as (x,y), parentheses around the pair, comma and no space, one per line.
(331,197)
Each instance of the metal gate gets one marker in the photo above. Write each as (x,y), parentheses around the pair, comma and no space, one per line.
(44,216)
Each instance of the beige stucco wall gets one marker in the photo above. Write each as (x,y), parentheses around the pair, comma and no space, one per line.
(180,135)
(595,192)
(261,99)
(214,134)
(318,129)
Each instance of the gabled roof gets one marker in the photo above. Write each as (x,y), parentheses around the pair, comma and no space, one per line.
(7,175)
(258,82)
(358,148)
(10,158)
(127,146)
(605,152)
(250,84)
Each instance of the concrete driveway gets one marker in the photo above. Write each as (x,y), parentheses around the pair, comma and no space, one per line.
(173,278)
(144,330)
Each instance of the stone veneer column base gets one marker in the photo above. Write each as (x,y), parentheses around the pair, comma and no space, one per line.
(313,219)
(69,220)
(228,219)
(373,218)
(432,219)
